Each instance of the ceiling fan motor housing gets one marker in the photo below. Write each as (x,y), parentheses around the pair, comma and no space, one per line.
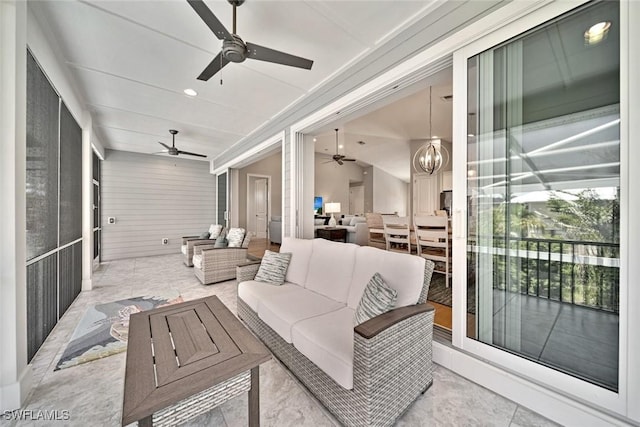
(234,50)
(236,2)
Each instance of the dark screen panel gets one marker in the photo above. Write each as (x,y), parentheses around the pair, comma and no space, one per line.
(222,198)
(70,177)
(42,162)
(42,301)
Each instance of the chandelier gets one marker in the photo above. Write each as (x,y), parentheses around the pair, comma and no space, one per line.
(432,155)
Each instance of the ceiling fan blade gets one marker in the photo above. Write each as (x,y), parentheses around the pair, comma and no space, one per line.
(164,145)
(262,53)
(210,19)
(213,67)
(348,160)
(160,152)
(340,162)
(191,154)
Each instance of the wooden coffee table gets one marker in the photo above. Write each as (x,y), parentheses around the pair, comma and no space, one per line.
(186,359)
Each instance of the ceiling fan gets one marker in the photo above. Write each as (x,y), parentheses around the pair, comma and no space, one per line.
(173,151)
(340,158)
(236,50)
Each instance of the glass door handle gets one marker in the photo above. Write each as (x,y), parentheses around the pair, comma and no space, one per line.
(457,224)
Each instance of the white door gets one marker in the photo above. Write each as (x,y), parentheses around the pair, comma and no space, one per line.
(356,199)
(426,194)
(261,206)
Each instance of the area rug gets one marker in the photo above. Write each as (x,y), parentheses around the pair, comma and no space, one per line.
(104,328)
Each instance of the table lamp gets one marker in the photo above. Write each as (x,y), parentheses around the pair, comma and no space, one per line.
(332,208)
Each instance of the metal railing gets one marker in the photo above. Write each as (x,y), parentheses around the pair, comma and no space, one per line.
(574,272)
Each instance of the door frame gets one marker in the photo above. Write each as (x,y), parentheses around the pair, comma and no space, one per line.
(248,213)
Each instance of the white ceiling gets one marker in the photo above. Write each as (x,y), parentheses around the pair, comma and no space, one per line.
(131,61)
(389,126)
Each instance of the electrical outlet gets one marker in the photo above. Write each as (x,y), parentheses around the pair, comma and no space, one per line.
(165,241)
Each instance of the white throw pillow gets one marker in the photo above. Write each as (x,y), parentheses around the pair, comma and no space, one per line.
(273,267)
(235,236)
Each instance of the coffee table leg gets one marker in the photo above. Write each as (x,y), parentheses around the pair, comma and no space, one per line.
(254,398)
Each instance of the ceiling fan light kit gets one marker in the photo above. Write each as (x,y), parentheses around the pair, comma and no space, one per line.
(234,49)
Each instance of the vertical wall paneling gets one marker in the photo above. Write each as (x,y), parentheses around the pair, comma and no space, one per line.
(152,197)
(42,301)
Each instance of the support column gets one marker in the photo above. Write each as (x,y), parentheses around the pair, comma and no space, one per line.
(15,374)
(87,203)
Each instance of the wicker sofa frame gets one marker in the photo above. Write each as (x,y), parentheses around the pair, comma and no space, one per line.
(392,361)
(219,264)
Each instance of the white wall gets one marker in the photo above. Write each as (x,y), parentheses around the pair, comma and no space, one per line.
(153,197)
(332,180)
(389,193)
(15,375)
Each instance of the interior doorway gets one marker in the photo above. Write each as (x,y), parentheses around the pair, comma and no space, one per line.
(258,204)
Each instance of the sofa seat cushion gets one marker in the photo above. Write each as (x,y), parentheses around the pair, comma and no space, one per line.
(327,341)
(197,261)
(253,292)
(183,249)
(282,311)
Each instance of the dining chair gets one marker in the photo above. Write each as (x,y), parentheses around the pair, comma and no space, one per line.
(434,242)
(397,233)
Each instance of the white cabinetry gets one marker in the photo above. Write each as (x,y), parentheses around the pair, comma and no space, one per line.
(426,194)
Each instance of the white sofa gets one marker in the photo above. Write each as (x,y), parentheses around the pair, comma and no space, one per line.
(366,374)
(357,230)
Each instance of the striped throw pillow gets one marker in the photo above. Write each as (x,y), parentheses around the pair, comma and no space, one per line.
(235,236)
(378,298)
(273,267)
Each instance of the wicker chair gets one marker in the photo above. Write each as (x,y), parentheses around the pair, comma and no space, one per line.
(214,265)
(188,243)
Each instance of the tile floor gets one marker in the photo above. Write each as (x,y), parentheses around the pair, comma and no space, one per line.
(92,392)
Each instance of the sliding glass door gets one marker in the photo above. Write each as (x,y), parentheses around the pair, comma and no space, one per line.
(543,195)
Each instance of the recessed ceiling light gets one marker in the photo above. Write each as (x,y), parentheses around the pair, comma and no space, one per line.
(470,135)
(340,146)
(315,139)
(190,92)
(597,32)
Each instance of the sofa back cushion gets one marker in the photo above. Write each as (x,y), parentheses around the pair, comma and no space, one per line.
(402,272)
(331,269)
(300,255)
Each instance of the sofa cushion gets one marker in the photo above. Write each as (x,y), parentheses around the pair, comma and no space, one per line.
(378,298)
(183,249)
(214,231)
(235,236)
(357,219)
(252,292)
(273,267)
(300,254)
(282,311)
(402,272)
(327,341)
(197,261)
(331,269)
